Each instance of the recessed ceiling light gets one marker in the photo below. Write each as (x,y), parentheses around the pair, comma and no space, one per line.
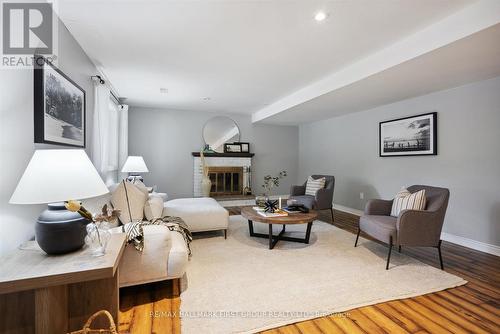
(164,90)
(320,16)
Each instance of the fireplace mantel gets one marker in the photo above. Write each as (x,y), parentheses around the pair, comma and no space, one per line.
(224,155)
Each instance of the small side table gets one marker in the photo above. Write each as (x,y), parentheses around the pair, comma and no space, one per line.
(57,294)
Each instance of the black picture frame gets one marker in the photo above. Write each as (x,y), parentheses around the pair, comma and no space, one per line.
(65,124)
(232,148)
(409,136)
(245,147)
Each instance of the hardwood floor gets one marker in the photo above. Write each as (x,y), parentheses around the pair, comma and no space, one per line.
(472,308)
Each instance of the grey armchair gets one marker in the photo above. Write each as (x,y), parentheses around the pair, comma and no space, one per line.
(411,227)
(323,199)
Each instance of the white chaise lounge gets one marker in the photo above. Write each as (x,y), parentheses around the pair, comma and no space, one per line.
(200,214)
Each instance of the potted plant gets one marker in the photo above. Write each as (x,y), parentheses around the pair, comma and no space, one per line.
(98,233)
(270,182)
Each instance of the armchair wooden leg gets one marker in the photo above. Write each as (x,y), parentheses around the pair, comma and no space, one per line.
(333,219)
(225,234)
(357,237)
(440,256)
(389,255)
(399,249)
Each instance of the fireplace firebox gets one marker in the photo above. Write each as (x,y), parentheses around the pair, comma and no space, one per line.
(226,181)
(230,174)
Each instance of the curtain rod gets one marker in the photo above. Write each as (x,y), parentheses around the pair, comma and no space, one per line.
(113,96)
(102,82)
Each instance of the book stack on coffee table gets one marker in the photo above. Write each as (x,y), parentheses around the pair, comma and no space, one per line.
(263,213)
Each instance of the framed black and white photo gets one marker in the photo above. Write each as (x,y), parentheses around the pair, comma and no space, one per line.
(245,147)
(414,135)
(232,148)
(59,107)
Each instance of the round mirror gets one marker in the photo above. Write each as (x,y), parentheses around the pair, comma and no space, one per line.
(220,130)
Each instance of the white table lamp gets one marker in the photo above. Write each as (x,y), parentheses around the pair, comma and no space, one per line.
(134,166)
(52,177)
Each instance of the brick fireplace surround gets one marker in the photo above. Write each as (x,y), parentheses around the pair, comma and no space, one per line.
(219,160)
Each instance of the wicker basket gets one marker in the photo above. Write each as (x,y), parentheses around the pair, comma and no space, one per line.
(87,330)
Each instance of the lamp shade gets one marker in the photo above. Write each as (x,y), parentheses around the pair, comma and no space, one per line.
(56,176)
(135,164)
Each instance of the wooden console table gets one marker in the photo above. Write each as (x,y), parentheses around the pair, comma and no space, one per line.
(57,294)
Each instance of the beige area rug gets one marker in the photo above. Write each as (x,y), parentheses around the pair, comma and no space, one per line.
(239,285)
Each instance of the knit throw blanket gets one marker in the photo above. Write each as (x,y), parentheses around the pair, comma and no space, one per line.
(135,233)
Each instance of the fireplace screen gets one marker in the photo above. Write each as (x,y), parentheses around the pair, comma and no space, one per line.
(226,180)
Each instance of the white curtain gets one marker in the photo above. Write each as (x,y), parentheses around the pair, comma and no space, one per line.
(113,125)
(100,138)
(122,138)
(110,135)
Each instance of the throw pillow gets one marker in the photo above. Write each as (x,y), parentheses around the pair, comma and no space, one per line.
(126,196)
(142,187)
(312,185)
(153,208)
(405,200)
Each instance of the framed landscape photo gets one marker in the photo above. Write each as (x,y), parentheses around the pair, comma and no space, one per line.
(245,147)
(232,148)
(59,107)
(414,135)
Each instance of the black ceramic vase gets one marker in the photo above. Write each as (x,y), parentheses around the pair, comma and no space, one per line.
(59,231)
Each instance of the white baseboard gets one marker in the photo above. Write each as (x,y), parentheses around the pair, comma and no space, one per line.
(469,243)
(462,241)
(352,211)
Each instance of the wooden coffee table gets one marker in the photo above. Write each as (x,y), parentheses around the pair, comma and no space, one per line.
(294,218)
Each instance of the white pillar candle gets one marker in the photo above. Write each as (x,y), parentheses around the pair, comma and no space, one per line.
(279,203)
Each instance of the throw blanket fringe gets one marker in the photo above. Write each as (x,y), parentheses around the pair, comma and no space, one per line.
(135,232)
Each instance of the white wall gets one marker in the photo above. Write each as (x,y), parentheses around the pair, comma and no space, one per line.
(166,139)
(16,134)
(468,160)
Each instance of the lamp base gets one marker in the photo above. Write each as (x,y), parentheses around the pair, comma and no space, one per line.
(134,178)
(59,231)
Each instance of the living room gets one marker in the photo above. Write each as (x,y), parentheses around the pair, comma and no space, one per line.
(254,166)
